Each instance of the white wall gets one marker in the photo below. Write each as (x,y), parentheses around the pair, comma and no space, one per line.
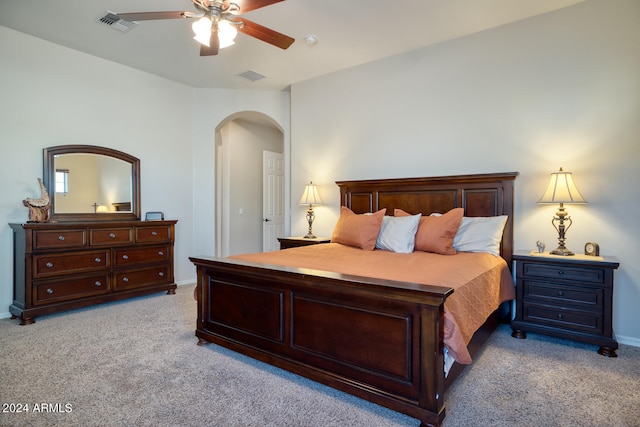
(245,143)
(50,95)
(561,89)
(213,108)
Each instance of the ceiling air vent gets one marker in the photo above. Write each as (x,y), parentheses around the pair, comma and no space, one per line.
(117,23)
(251,75)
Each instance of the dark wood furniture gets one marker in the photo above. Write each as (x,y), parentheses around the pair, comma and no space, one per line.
(60,266)
(294,242)
(332,327)
(113,171)
(566,296)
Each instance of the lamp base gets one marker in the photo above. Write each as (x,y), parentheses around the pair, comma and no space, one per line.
(310,218)
(562,251)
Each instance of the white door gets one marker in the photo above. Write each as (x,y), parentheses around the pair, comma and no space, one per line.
(272,200)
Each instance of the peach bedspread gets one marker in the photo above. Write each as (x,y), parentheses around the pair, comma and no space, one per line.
(480,281)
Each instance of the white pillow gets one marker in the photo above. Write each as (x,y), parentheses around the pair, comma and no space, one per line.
(480,234)
(398,234)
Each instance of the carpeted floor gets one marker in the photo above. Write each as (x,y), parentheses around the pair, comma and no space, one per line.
(136,363)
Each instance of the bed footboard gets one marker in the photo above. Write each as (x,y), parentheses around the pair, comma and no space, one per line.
(378,340)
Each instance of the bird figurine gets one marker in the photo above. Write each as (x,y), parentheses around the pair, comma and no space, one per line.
(38,208)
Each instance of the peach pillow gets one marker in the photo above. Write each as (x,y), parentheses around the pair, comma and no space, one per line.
(436,233)
(360,231)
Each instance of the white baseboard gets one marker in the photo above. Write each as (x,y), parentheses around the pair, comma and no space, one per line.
(632,341)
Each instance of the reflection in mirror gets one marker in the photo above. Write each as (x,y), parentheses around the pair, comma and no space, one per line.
(91,183)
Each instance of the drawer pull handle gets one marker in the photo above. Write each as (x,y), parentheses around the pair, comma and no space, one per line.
(49,291)
(560,316)
(98,260)
(61,238)
(49,264)
(161,274)
(154,233)
(560,273)
(560,293)
(125,256)
(160,253)
(112,236)
(125,279)
(98,283)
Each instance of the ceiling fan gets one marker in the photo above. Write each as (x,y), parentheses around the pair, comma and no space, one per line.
(218,23)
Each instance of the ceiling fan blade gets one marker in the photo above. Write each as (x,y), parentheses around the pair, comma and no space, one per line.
(214,46)
(265,34)
(249,5)
(148,16)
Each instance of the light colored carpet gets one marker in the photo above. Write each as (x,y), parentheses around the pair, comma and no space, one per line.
(136,363)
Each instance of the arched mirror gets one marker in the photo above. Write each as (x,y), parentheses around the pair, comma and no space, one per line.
(90,183)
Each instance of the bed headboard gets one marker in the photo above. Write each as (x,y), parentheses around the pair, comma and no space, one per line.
(479,195)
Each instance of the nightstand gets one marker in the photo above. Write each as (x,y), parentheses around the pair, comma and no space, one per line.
(294,242)
(566,296)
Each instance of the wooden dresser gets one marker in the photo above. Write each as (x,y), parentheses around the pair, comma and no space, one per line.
(61,266)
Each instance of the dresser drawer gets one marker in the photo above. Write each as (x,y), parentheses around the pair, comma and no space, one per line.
(160,233)
(110,236)
(143,277)
(68,263)
(52,291)
(63,239)
(555,294)
(573,320)
(590,275)
(141,255)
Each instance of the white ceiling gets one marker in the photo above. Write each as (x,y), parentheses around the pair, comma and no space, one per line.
(349,33)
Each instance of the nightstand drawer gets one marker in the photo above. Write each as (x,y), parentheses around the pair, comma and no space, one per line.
(551,293)
(590,275)
(574,320)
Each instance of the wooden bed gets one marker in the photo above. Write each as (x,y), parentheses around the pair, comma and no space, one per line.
(280,315)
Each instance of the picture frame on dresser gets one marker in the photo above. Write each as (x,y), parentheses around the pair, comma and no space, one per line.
(154,216)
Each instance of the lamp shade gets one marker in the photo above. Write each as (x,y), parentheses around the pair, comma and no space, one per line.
(202,30)
(562,189)
(310,195)
(226,33)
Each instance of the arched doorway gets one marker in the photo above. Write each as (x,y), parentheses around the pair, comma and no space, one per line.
(241,139)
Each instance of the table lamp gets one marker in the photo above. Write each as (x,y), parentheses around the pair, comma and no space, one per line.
(310,197)
(561,190)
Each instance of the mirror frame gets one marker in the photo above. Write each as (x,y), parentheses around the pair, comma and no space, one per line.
(49,179)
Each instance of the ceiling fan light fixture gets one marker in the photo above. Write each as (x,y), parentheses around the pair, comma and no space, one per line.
(202,30)
(227,33)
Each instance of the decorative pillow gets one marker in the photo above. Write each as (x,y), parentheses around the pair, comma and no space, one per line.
(398,234)
(480,234)
(436,233)
(360,231)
